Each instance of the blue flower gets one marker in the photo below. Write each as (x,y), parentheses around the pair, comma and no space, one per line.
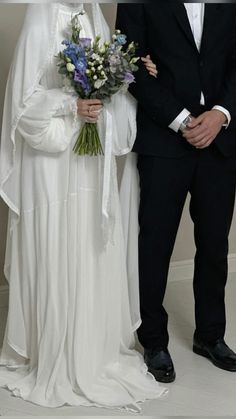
(129,78)
(85,42)
(83,80)
(80,65)
(77,56)
(73,49)
(121,39)
(66,42)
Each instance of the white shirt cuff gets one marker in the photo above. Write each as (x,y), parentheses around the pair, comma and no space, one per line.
(175,125)
(225,112)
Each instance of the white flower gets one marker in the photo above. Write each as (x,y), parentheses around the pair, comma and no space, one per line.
(102,51)
(99,83)
(95,77)
(70,67)
(95,56)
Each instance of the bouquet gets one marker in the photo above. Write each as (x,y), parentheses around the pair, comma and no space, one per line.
(96,70)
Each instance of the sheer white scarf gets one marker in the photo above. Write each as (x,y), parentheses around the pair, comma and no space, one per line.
(33,52)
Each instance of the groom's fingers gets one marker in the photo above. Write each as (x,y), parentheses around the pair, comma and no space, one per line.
(195,133)
(196,121)
(202,142)
(205,143)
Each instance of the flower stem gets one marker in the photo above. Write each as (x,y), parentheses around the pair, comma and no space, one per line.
(88,141)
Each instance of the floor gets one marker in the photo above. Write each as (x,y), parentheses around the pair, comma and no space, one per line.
(199,390)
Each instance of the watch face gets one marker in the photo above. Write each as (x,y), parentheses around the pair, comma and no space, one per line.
(187,120)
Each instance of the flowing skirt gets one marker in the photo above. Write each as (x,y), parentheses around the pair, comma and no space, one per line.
(69,338)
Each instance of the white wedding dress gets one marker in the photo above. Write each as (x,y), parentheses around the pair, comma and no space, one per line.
(69,338)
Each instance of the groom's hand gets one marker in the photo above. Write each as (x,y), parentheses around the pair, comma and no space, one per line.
(203,130)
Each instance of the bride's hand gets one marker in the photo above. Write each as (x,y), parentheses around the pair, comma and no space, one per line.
(89,109)
(150,66)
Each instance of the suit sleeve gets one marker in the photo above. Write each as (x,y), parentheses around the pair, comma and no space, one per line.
(227,98)
(155,99)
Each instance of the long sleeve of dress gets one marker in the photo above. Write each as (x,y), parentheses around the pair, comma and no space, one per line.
(47,122)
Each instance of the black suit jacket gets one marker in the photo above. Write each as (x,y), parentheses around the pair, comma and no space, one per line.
(163,30)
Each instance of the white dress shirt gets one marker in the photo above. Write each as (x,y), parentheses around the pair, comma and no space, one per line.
(195,12)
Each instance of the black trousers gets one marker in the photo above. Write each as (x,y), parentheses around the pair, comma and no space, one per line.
(210,178)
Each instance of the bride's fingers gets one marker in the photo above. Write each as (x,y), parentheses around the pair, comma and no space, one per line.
(91,112)
(152,69)
(147,59)
(91,102)
(150,66)
(91,120)
(97,108)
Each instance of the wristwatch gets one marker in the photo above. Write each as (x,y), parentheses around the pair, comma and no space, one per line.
(185,122)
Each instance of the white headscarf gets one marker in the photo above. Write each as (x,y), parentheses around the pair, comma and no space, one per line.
(33,52)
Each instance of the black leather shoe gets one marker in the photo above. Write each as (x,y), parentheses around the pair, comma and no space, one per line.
(160,365)
(218,352)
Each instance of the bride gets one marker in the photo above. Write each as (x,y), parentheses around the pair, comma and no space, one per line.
(70,331)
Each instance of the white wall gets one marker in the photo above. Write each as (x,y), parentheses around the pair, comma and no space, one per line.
(11,18)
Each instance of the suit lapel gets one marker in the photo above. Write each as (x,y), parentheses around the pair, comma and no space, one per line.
(210,20)
(181,16)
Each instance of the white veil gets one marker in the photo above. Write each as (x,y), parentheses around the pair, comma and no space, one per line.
(33,52)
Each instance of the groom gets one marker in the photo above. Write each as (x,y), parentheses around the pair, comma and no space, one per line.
(186,142)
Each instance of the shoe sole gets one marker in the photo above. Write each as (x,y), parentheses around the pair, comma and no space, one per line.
(218,364)
(162,379)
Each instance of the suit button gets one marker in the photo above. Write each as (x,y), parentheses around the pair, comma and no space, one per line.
(201,63)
